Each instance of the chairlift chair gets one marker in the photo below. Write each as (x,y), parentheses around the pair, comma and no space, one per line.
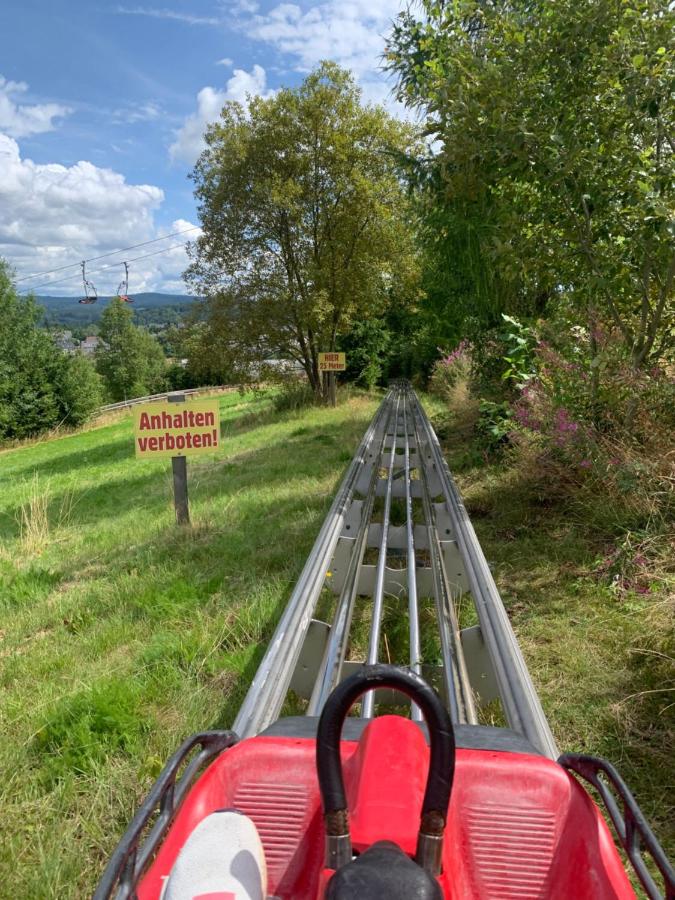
(123,289)
(90,295)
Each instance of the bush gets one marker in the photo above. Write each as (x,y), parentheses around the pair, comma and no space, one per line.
(494,424)
(449,370)
(520,358)
(607,425)
(294,394)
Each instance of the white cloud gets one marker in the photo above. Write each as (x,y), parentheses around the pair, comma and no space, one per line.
(190,138)
(52,215)
(154,13)
(225,61)
(241,6)
(21,119)
(351,33)
(140,112)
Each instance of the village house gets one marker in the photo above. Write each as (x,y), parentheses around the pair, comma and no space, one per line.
(89,345)
(65,341)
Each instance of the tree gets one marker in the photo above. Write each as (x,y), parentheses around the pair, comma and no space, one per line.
(79,389)
(28,366)
(129,359)
(40,387)
(304,218)
(556,135)
(208,363)
(366,346)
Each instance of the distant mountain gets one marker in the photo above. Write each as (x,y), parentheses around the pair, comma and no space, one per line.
(67,311)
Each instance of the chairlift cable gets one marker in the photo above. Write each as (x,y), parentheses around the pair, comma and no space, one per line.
(105,255)
(105,268)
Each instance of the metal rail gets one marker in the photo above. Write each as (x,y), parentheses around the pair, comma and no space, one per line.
(378,597)
(516,692)
(427,566)
(189,392)
(264,700)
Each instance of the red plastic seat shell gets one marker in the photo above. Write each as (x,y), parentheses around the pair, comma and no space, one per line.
(519,826)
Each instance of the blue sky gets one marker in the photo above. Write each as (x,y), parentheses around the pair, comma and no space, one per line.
(103,104)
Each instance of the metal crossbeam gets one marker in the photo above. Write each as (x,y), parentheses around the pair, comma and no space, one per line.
(431,561)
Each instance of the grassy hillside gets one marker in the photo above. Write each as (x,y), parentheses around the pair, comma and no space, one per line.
(120,634)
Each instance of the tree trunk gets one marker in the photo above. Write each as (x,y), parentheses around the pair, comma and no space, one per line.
(595,370)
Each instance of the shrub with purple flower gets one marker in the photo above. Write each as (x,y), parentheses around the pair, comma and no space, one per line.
(451,368)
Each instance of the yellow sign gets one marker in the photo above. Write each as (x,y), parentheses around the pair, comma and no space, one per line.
(176,429)
(332,362)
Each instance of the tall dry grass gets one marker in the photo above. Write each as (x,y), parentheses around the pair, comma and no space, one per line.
(41,516)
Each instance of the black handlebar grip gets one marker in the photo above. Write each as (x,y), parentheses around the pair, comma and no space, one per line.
(441,735)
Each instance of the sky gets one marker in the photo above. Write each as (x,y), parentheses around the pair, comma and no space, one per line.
(102,110)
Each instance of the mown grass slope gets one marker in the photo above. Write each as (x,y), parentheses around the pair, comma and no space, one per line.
(121,633)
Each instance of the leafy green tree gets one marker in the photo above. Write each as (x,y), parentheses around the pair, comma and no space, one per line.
(40,387)
(366,345)
(130,360)
(555,147)
(305,225)
(201,343)
(79,388)
(29,363)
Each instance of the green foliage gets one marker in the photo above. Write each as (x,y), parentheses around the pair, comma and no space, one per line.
(495,423)
(306,229)
(130,360)
(28,366)
(413,344)
(206,347)
(552,179)
(79,389)
(179,378)
(367,346)
(519,357)
(294,394)
(40,387)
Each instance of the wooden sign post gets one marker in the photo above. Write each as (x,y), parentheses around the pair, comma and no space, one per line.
(332,363)
(179,468)
(160,431)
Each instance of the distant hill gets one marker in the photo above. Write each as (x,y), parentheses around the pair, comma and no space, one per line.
(148,308)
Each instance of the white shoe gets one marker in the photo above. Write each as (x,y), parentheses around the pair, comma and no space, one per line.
(223,859)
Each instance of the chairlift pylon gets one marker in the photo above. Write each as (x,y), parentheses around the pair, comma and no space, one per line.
(90,295)
(123,289)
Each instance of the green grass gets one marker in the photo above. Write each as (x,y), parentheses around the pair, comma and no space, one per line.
(121,633)
(601,657)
